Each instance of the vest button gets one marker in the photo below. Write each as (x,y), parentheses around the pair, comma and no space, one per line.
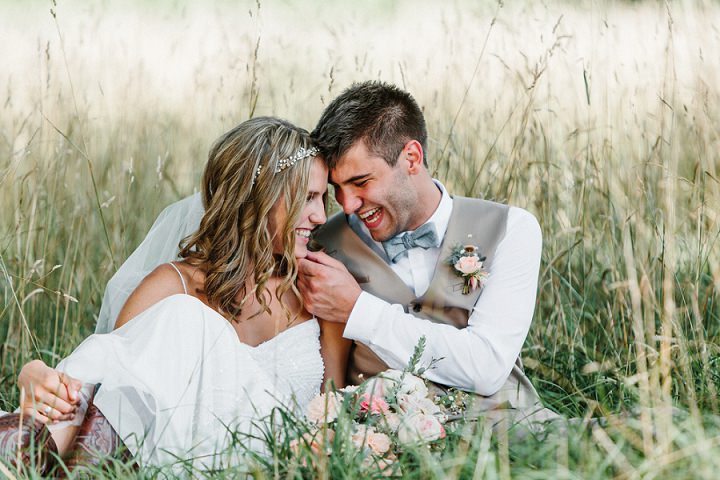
(417,307)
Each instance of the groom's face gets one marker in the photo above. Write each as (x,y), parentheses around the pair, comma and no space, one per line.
(383,197)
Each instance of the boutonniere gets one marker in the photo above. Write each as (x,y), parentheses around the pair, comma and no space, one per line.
(467,263)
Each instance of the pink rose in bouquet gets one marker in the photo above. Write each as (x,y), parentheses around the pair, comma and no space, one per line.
(324,407)
(365,437)
(373,404)
(318,441)
(359,435)
(379,443)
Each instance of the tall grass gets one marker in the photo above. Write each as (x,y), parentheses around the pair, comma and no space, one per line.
(601,118)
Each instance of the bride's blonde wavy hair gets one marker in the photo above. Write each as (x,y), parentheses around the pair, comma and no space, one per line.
(233,245)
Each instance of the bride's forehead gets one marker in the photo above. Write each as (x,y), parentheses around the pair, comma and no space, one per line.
(319,168)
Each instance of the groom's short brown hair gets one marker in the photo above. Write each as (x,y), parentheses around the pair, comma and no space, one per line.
(382,115)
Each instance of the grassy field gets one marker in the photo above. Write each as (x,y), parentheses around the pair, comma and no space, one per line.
(601,118)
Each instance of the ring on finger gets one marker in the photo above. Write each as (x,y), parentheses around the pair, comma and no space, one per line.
(47,409)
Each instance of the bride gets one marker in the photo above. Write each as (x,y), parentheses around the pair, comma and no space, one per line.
(208,345)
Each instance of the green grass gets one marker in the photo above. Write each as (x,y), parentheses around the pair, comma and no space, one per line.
(602,119)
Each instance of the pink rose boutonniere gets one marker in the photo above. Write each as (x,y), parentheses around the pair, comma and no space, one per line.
(468,264)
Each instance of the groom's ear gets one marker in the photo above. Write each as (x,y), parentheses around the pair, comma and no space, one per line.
(412,155)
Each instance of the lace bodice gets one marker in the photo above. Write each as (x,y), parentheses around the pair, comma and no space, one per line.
(293,359)
(290,359)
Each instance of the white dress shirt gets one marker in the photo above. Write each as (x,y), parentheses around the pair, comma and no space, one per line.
(480,357)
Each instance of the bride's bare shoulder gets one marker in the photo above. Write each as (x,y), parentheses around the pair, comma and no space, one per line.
(161,283)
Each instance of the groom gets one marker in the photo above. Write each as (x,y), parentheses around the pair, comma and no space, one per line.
(384,270)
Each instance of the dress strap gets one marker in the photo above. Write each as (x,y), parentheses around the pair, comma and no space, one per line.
(182,279)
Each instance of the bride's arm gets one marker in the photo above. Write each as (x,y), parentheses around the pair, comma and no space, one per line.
(335,350)
(44,386)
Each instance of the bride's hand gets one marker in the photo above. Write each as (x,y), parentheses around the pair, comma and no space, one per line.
(49,395)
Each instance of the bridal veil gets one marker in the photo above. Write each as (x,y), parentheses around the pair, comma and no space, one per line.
(160,246)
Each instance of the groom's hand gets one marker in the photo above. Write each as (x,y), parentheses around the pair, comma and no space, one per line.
(328,289)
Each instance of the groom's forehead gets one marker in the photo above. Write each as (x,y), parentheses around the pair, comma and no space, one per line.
(349,172)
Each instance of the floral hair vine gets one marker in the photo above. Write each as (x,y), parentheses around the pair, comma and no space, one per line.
(285,163)
(468,264)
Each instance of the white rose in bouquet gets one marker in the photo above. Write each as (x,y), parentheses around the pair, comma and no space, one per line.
(348,389)
(382,383)
(413,385)
(409,403)
(391,421)
(408,383)
(418,427)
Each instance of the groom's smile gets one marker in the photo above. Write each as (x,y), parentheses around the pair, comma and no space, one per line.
(371,218)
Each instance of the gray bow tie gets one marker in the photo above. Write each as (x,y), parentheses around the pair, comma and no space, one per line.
(424,237)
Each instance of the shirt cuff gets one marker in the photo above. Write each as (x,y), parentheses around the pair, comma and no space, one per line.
(364,318)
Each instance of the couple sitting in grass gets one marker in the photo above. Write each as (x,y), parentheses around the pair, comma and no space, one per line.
(243,316)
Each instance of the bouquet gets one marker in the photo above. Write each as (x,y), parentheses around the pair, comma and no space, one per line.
(383,417)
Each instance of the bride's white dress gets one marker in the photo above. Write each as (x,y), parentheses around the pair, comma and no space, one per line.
(176,379)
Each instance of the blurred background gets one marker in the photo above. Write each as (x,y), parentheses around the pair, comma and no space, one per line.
(601,118)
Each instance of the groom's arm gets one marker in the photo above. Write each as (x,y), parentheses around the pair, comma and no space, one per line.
(477,358)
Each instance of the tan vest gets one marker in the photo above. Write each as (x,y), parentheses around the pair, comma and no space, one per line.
(477,222)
